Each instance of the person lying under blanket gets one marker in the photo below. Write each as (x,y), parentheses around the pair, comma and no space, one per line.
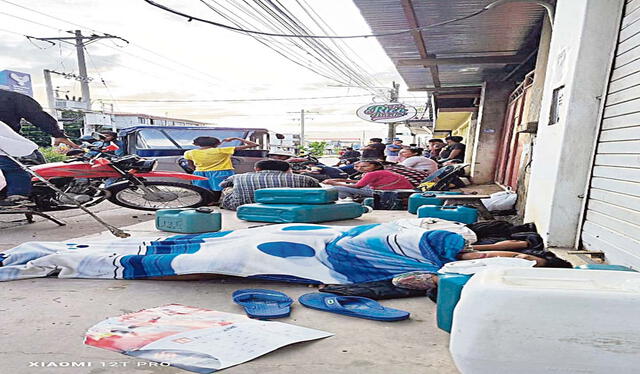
(303,253)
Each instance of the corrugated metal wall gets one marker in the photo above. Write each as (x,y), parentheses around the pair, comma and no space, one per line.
(612,220)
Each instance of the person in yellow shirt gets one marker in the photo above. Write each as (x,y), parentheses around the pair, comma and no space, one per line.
(214,162)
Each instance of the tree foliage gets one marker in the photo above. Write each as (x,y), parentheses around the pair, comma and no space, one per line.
(318,148)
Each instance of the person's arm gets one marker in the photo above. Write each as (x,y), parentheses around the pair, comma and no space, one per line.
(454,153)
(339,182)
(32,112)
(312,182)
(227,182)
(247,143)
(187,156)
(409,162)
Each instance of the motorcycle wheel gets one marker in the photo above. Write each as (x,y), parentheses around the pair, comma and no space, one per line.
(172,195)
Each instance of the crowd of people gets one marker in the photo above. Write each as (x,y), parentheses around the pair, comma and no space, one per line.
(377,166)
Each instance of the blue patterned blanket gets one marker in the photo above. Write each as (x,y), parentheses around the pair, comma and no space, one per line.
(289,252)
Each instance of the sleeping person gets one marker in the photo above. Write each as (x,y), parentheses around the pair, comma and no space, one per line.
(303,253)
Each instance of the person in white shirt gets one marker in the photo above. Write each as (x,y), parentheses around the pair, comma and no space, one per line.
(413,159)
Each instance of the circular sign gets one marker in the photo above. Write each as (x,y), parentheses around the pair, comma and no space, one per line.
(386,112)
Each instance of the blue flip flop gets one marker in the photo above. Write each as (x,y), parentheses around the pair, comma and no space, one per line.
(353,306)
(263,304)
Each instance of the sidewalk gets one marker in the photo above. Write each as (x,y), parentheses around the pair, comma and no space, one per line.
(45,320)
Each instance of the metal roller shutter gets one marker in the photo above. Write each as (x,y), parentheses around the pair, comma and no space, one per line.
(612,217)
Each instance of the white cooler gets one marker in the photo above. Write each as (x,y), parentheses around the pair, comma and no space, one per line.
(537,320)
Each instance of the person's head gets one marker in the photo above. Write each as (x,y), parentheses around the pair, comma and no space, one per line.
(108,136)
(280,155)
(367,166)
(206,141)
(453,139)
(276,165)
(397,142)
(542,258)
(410,152)
(375,140)
(436,143)
(349,148)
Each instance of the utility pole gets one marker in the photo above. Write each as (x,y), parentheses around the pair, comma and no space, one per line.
(302,114)
(51,99)
(80,42)
(302,127)
(82,69)
(393,94)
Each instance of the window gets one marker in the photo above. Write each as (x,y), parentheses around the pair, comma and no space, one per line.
(167,138)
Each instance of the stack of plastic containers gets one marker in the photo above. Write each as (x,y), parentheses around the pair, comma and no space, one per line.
(304,205)
(544,320)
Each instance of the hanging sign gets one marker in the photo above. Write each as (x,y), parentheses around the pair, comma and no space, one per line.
(386,112)
(16,81)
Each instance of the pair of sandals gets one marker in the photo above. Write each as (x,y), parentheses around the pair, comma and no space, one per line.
(270,304)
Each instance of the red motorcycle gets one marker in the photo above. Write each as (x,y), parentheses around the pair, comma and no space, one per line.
(90,179)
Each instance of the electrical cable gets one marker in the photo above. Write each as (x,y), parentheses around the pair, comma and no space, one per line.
(234,100)
(30,21)
(95,68)
(327,54)
(191,18)
(293,25)
(100,32)
(12,32)
(283,54)
(312,14)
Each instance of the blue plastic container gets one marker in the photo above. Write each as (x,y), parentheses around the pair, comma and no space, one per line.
(604,267)
(368,202)
(296,195)
(449,289)
(309,213)
(462,214)
(188,221)
(427,198)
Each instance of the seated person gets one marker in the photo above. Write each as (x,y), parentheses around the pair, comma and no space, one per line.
(412,158)
(107,138)
(413,175)
(454,150)
(374,178)
(323,172)
(435,147)
(268,174)
(349,156)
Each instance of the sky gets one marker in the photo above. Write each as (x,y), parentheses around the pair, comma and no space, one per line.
(168,58)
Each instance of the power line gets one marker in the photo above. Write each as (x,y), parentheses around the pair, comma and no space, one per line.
(232,100)
(303,36)
(338,68)
(46,15)
(30,21)
(283,52)
(101,32)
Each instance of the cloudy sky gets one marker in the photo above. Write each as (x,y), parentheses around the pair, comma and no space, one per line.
(188,65)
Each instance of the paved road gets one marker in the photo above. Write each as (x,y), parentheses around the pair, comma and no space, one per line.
(14,230)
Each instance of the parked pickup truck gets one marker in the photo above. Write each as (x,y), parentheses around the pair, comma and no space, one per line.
(168,143)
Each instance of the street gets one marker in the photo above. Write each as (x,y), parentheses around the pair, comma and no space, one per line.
(44,320)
